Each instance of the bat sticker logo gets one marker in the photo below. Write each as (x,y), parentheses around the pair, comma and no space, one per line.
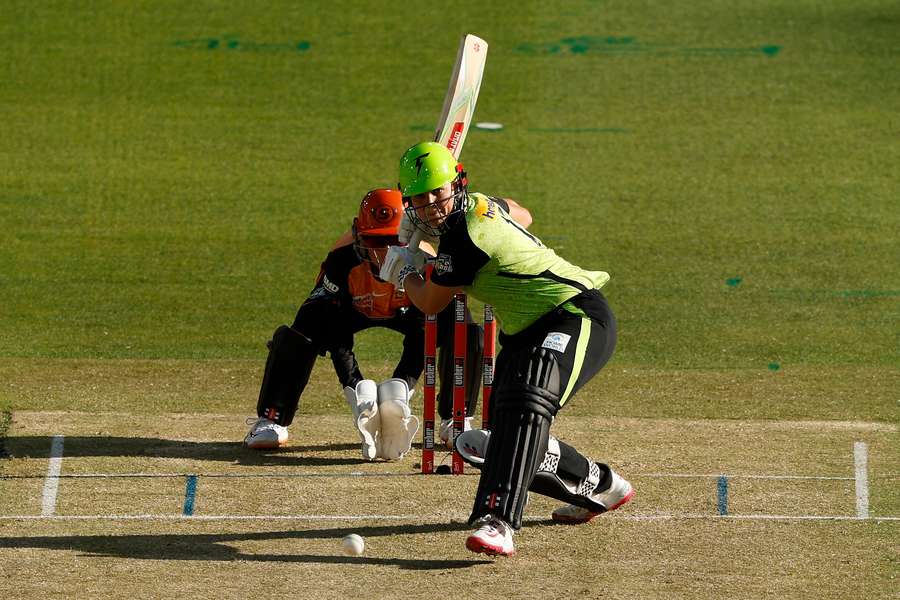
(419,162)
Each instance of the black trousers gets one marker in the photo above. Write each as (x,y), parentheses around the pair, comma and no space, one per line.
(332,329)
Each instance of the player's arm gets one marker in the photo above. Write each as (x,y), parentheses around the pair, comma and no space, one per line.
(519,213)
(428,296)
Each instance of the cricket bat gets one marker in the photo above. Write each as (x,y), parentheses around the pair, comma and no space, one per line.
(462,94)
(451,130)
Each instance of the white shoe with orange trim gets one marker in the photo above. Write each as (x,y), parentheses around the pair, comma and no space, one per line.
(493,537)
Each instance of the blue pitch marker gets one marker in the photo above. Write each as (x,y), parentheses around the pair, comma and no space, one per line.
(722,495)
(190,492)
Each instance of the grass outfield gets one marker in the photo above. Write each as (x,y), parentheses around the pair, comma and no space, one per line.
(172,175)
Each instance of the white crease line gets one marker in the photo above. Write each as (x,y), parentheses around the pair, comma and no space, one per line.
(731,476)
(51,483)
(214,475)
(410,474)
(860,461)
(420,518)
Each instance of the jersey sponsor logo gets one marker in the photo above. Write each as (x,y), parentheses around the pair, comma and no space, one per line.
(443,264)
(486,209)
(331,287)
(556,341)
(364,303)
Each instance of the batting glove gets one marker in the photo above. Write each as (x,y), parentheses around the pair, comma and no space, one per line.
(399,263)
(411,235)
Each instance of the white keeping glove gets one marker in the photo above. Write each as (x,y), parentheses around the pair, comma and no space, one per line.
(399,263)
(398,424)
(363,401)
(412,235)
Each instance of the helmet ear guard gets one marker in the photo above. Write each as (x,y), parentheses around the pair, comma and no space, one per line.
(358,247)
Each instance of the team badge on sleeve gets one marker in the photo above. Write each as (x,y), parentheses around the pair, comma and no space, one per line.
(556,341)
(443,264)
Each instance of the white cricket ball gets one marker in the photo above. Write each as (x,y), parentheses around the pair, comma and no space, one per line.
(353,545)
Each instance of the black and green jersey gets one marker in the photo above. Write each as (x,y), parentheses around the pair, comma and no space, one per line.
(498,261)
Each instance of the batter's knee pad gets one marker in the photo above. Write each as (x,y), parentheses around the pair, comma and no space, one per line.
(531,377)
(288,366)
(525,406)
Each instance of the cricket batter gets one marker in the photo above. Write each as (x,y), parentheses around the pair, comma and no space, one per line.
(349,297)
(557,331)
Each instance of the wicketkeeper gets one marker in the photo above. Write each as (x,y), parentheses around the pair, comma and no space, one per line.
(557,331)
(349,297)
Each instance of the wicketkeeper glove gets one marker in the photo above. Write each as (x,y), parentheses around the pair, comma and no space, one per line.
(363,401)
(398,424)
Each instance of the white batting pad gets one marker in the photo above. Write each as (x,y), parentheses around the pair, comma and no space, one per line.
(398,425)
(363,402)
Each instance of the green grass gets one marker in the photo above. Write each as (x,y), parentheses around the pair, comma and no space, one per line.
(165,199)
(173,176)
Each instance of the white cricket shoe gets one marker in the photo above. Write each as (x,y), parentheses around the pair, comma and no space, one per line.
(472,445)
(266,434)
(445,432)
(493,537)
(618,493)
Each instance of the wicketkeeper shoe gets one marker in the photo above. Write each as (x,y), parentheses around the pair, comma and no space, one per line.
(445,431)
(472,445)
(266,434)
(618,493)
(493,537)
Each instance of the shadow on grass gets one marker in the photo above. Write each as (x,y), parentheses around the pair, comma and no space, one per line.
(215,547)
(230,452)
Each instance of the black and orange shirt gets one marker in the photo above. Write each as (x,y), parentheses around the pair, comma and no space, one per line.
(347,280)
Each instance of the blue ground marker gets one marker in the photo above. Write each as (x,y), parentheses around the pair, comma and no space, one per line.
(722,495)
(190,492)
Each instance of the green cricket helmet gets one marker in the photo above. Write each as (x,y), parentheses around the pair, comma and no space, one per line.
(425,167)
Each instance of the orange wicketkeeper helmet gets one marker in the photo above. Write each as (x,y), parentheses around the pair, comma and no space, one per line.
(378,223)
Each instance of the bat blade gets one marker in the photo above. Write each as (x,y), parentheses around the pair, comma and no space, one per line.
(462,94)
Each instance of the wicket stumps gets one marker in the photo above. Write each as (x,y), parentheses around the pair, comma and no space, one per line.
(428,394)
(459,380)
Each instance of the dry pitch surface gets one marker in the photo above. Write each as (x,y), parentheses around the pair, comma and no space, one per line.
(723,509)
